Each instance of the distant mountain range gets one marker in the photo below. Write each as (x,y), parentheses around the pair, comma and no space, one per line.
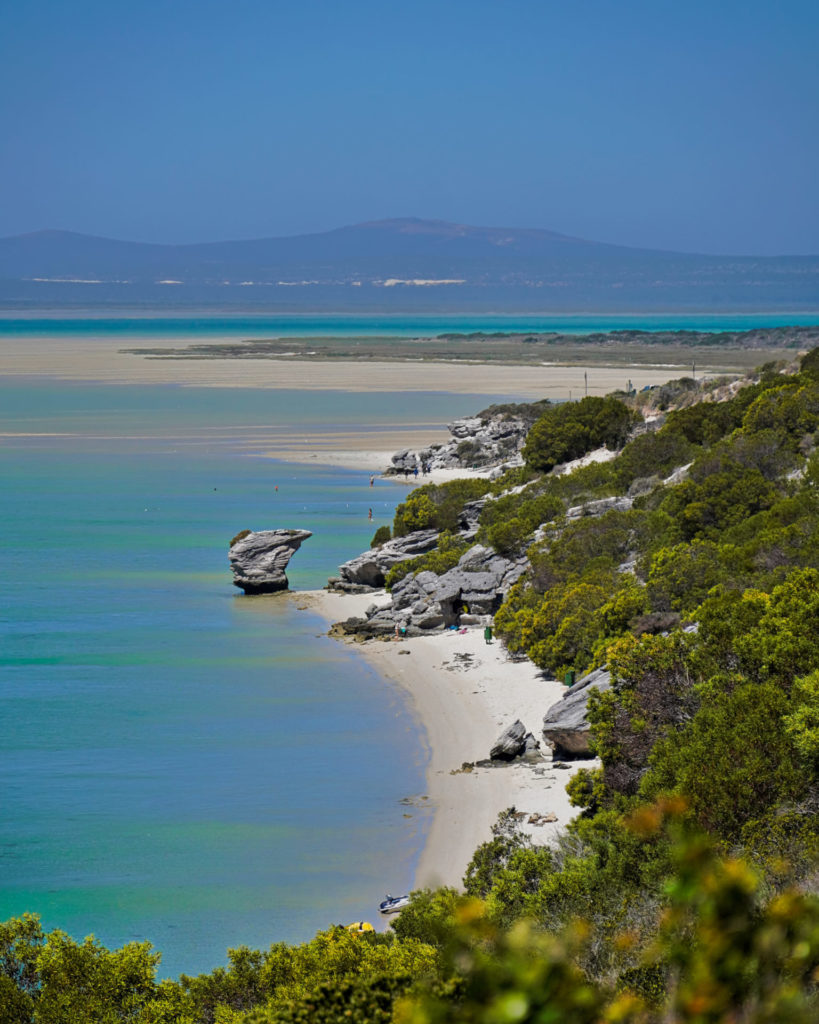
(406,264)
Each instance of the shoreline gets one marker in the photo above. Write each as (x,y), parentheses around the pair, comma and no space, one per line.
(464,693)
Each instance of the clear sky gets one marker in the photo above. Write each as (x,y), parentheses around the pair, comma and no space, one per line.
(678,124)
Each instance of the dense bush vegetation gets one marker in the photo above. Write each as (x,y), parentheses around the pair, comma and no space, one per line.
(745,512)
(722,950)
(565,432)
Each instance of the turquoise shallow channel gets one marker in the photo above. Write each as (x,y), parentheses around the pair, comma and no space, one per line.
(179,762)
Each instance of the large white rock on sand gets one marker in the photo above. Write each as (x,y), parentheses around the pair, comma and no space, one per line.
(258,559)
(565,727)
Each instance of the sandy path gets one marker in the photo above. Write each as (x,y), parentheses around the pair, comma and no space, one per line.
(463,704)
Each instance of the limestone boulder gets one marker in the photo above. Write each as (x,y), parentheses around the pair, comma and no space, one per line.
(258,559)
(565,726)
(599,507)
(486,441)
(510,744)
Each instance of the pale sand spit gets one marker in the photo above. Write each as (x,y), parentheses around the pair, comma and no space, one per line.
(465,694)
(99,359)
(358,456)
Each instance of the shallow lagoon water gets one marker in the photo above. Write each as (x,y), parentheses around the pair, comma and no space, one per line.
(182,763)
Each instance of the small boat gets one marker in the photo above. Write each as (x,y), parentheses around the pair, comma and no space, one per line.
(392,904)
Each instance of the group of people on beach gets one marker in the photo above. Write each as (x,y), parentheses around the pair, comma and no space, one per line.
(424,468)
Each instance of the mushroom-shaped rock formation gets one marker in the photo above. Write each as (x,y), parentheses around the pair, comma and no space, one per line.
(258,558)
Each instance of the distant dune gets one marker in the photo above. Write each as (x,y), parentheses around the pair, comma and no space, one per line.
(398,265)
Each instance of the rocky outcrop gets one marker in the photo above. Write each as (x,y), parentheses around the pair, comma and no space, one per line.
(464,595)
(599,507)
(370,568)
(258,559)
(476,586)
(470,515)
(477,441)
(565,727)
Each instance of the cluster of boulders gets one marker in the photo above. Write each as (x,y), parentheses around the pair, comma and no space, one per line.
(465,595)
(477,442)
(514,742)
(565,725)
(368,571)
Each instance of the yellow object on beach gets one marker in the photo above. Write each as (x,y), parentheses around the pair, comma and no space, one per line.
(359,927)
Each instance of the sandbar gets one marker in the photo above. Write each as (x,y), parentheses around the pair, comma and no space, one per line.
(99,359)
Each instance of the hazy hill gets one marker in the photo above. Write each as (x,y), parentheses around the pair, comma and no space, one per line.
(397,264)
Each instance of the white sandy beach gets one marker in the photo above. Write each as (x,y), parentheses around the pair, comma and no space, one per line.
(465,694)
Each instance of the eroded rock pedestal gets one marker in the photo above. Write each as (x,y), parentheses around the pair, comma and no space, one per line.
(258,559)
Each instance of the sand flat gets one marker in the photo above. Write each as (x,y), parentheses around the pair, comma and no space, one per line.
(100,359)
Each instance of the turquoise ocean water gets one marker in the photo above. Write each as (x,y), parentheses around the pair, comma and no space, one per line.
(204,326)
(181,763)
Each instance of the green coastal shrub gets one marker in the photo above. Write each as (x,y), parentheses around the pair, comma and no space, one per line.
(417,513)
(653,454)
(570,430)
(508,522)
(381,536)
(791,410)
(752,764)
(679,578)
(802,720)
(437,506)
(705,509)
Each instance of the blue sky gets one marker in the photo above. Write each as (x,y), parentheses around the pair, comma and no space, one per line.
(680,125)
